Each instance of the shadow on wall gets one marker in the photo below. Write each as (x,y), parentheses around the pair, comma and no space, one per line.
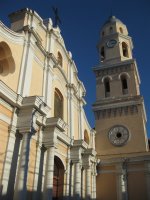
(10,190)
(32,196)
(38,194)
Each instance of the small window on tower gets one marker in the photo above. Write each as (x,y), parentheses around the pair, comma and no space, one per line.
(111,29)
(60,59)
(125,49)
(103,33)
(107,87)
(121,30)
(102,54)
(124,85)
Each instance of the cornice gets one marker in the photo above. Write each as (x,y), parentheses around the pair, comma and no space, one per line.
(36,102)
(117,107)
(15,37)
(90,152)
(118,101)
(9,95)
(114,68)
(114,35)
(64,138)
(131,159)
(80,144)
(56,122)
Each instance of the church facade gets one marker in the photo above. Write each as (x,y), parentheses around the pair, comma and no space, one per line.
(48,149)
(47,146)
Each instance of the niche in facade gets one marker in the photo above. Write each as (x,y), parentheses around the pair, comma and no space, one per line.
(7,64)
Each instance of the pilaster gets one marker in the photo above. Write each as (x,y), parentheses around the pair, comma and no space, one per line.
(7,162)
(77,180)
(26,66)
(48,184)
(122,192)
(88,182)
(9,154)
(20,187)
(68,174)
(70,92)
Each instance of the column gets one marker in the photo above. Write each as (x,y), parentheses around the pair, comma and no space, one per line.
(93,132)
(37,188)
(70,110)
(94,186)
(67,183)
(7,182)
(83,185)
(26,66)
(48,184)
(48,80)
(20,189)
(122,192)
(8,162)
(88,182)
(77,181)
(80,121)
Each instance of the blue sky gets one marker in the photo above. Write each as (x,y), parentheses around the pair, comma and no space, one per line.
(81,23)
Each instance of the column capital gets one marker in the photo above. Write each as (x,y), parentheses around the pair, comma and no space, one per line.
(76,161)
(12,129)
(86,167)
(49,138)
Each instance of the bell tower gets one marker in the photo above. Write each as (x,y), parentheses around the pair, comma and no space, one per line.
(119,108)
(115,44)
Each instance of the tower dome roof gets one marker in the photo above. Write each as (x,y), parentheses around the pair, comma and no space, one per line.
(111,20)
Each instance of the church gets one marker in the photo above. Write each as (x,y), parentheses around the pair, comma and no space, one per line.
(48,151)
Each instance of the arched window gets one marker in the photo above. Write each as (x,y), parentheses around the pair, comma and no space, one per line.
(102,54)
(107,87)
(58,104)
(125,49)
(7,64)
(60,59)
(111,29)
(121,30)
(103,33)
(124,84)
(86,137)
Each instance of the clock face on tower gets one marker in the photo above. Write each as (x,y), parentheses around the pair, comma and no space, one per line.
(118,135)
(111,43)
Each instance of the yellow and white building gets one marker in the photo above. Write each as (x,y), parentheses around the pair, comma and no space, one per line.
(47,147)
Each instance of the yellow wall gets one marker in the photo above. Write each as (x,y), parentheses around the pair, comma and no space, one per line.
(11,80)
(135,125)
(32,162)
(59,48)
(37,80)
(137,185)
(106,185)
(3,144)
(3,136)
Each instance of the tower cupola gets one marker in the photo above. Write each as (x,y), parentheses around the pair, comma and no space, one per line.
(115,44)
